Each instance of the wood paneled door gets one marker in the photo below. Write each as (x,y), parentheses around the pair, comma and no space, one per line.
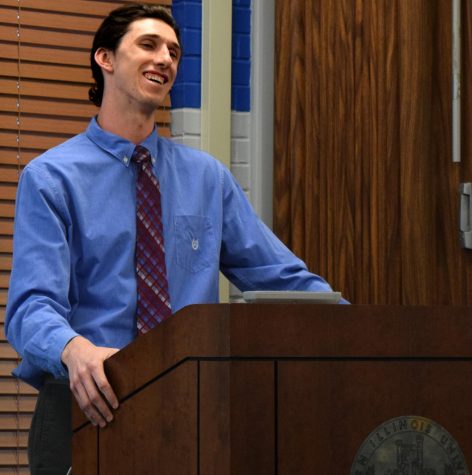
(365,187)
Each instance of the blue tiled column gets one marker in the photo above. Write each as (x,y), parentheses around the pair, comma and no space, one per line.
(241,61)
(186,90)
(186,93)
(241,93)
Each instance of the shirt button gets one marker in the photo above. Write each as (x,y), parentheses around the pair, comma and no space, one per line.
(125,159)
(195,244)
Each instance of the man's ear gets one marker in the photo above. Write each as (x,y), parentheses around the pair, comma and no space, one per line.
(104,58)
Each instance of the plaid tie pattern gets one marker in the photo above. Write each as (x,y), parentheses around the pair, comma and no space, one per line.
(153,296)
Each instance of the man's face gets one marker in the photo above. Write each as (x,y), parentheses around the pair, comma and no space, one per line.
(144,65)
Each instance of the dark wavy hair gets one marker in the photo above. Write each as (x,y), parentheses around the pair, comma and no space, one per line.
(112,30)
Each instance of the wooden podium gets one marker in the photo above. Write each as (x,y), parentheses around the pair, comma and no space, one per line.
(279,389)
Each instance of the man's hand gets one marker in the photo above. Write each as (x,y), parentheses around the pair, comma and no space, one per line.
(87,378)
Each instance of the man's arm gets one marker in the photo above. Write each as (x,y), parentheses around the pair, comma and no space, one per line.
(38,309)
(252,257)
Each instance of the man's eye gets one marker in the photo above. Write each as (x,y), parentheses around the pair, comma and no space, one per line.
(147,45)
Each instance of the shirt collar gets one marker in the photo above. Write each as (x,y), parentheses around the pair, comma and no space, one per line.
(117,146)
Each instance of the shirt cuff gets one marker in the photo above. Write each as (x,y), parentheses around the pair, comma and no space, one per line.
(57,368)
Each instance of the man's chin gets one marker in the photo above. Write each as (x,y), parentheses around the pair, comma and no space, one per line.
(150,105)
(157,101)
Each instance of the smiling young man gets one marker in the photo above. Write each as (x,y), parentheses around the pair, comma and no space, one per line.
(73,291)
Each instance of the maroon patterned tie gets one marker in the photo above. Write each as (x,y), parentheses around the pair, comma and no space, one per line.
(151,277)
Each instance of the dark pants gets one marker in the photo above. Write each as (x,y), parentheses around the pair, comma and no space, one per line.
(50,436)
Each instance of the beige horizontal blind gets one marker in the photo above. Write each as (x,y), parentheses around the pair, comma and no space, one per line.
(44,81)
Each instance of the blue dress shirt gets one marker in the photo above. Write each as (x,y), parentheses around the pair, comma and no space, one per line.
(74,244)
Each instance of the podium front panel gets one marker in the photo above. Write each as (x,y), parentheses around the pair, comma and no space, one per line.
(327,410)
(85,450)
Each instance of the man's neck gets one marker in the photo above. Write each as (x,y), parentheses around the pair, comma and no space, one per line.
(130,125)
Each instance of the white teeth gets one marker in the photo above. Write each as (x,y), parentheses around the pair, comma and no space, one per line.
(154,78)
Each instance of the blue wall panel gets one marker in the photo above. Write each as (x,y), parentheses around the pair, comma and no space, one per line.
(187,89)
(241,61)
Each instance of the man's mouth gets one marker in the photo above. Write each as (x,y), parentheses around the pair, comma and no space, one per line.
(155,78)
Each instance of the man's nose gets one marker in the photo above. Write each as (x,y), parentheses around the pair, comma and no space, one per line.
(163,56)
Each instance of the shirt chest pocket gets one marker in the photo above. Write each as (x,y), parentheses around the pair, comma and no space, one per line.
(195,242)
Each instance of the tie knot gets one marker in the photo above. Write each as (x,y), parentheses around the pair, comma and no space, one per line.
(141,155)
